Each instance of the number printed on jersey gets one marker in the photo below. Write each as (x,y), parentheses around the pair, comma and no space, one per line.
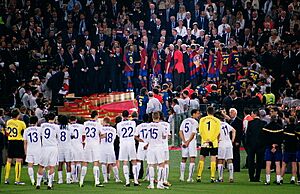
(126,130)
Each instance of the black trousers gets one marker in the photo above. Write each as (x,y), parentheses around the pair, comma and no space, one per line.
(255,162)
(236,158)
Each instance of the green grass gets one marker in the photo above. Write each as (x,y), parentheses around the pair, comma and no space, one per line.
(241,184)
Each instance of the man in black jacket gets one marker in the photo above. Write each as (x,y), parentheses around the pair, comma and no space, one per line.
(237,124)
(255,145)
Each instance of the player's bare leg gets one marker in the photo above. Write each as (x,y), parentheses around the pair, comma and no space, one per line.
(191,169)
(294,173)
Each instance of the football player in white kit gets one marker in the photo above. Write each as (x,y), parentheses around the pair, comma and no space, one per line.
(78,143)
(64,149)
(92,148)
(166,150)
(49,156)
(141,136)
(107,152)
(155,154)
(187,133)
(225,150)
(125,131)
(32,146)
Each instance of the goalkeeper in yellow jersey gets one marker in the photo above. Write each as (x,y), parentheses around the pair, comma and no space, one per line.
(209,130)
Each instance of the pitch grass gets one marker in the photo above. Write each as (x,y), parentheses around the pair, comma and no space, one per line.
(241,184)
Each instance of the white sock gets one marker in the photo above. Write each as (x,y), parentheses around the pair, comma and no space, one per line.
(151,175)
(191,170)
(147,174)
(268,178)
(45,175)
(104,172)
(220,171)
(182,169)
(135,173)
(278,178)
(126,173)
(50,179)
(293,178)
(73,170)
(116,173)
(160,175)
(166,173)
(68,177)
(231,170)
(60,176)
(31,174)
(39,179)
(77,171)
(138,164)
(96,172)
(83,173)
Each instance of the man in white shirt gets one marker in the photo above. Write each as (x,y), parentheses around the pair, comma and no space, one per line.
(225,150)
(222,27)
(32,146)
(78,143)
(107,152)
(187,133)
(153,104)
(49,156)
(155,156)
(126,130)
(181,29)
(64,149)
(92,148)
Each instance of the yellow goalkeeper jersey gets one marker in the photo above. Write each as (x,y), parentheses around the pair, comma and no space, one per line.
(209,129)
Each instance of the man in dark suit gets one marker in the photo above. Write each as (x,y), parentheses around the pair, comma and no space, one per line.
(237,124)
(227,35)
(255,146)
(221,10)
(60,57)
(171,25)
(203,21)
(81,70)
(155,30)
(115,69)
(188,21)
(92,74)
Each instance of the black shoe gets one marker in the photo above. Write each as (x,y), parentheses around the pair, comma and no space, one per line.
(127,185)
(278,183)
(99,185)
(212,181)
(136,184)
(38,187)
(198,179)
(281,181)
(292,182)
(49,188)
(267,183)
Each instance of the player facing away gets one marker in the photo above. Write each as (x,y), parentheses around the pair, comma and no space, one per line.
(78,143)
(64,149)
(14,131)
(125,131)
(209,130)
(141,134)
(32,146)
(49,156)
(107,152)
(273,134)
(92,148)
(187,134)
(155,154)
(225,150)
(167,127)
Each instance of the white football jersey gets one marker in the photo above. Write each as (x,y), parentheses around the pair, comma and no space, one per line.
(110,136)
(225,140)
(126,131)
(92,133)
(33,137)
(156,135)
(77,131)
(167,127)
(188,127)
(49,134)
(142,131)
(64,137)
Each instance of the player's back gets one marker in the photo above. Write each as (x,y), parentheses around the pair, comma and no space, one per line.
(110,137)
(64,137)
(225,130)
(142,131)
(156,135)
(77,131)
(33,137)
(188,127)
(126,131)
(167,128)
(209,129)
(49,134)
(92,131)
(14,128)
